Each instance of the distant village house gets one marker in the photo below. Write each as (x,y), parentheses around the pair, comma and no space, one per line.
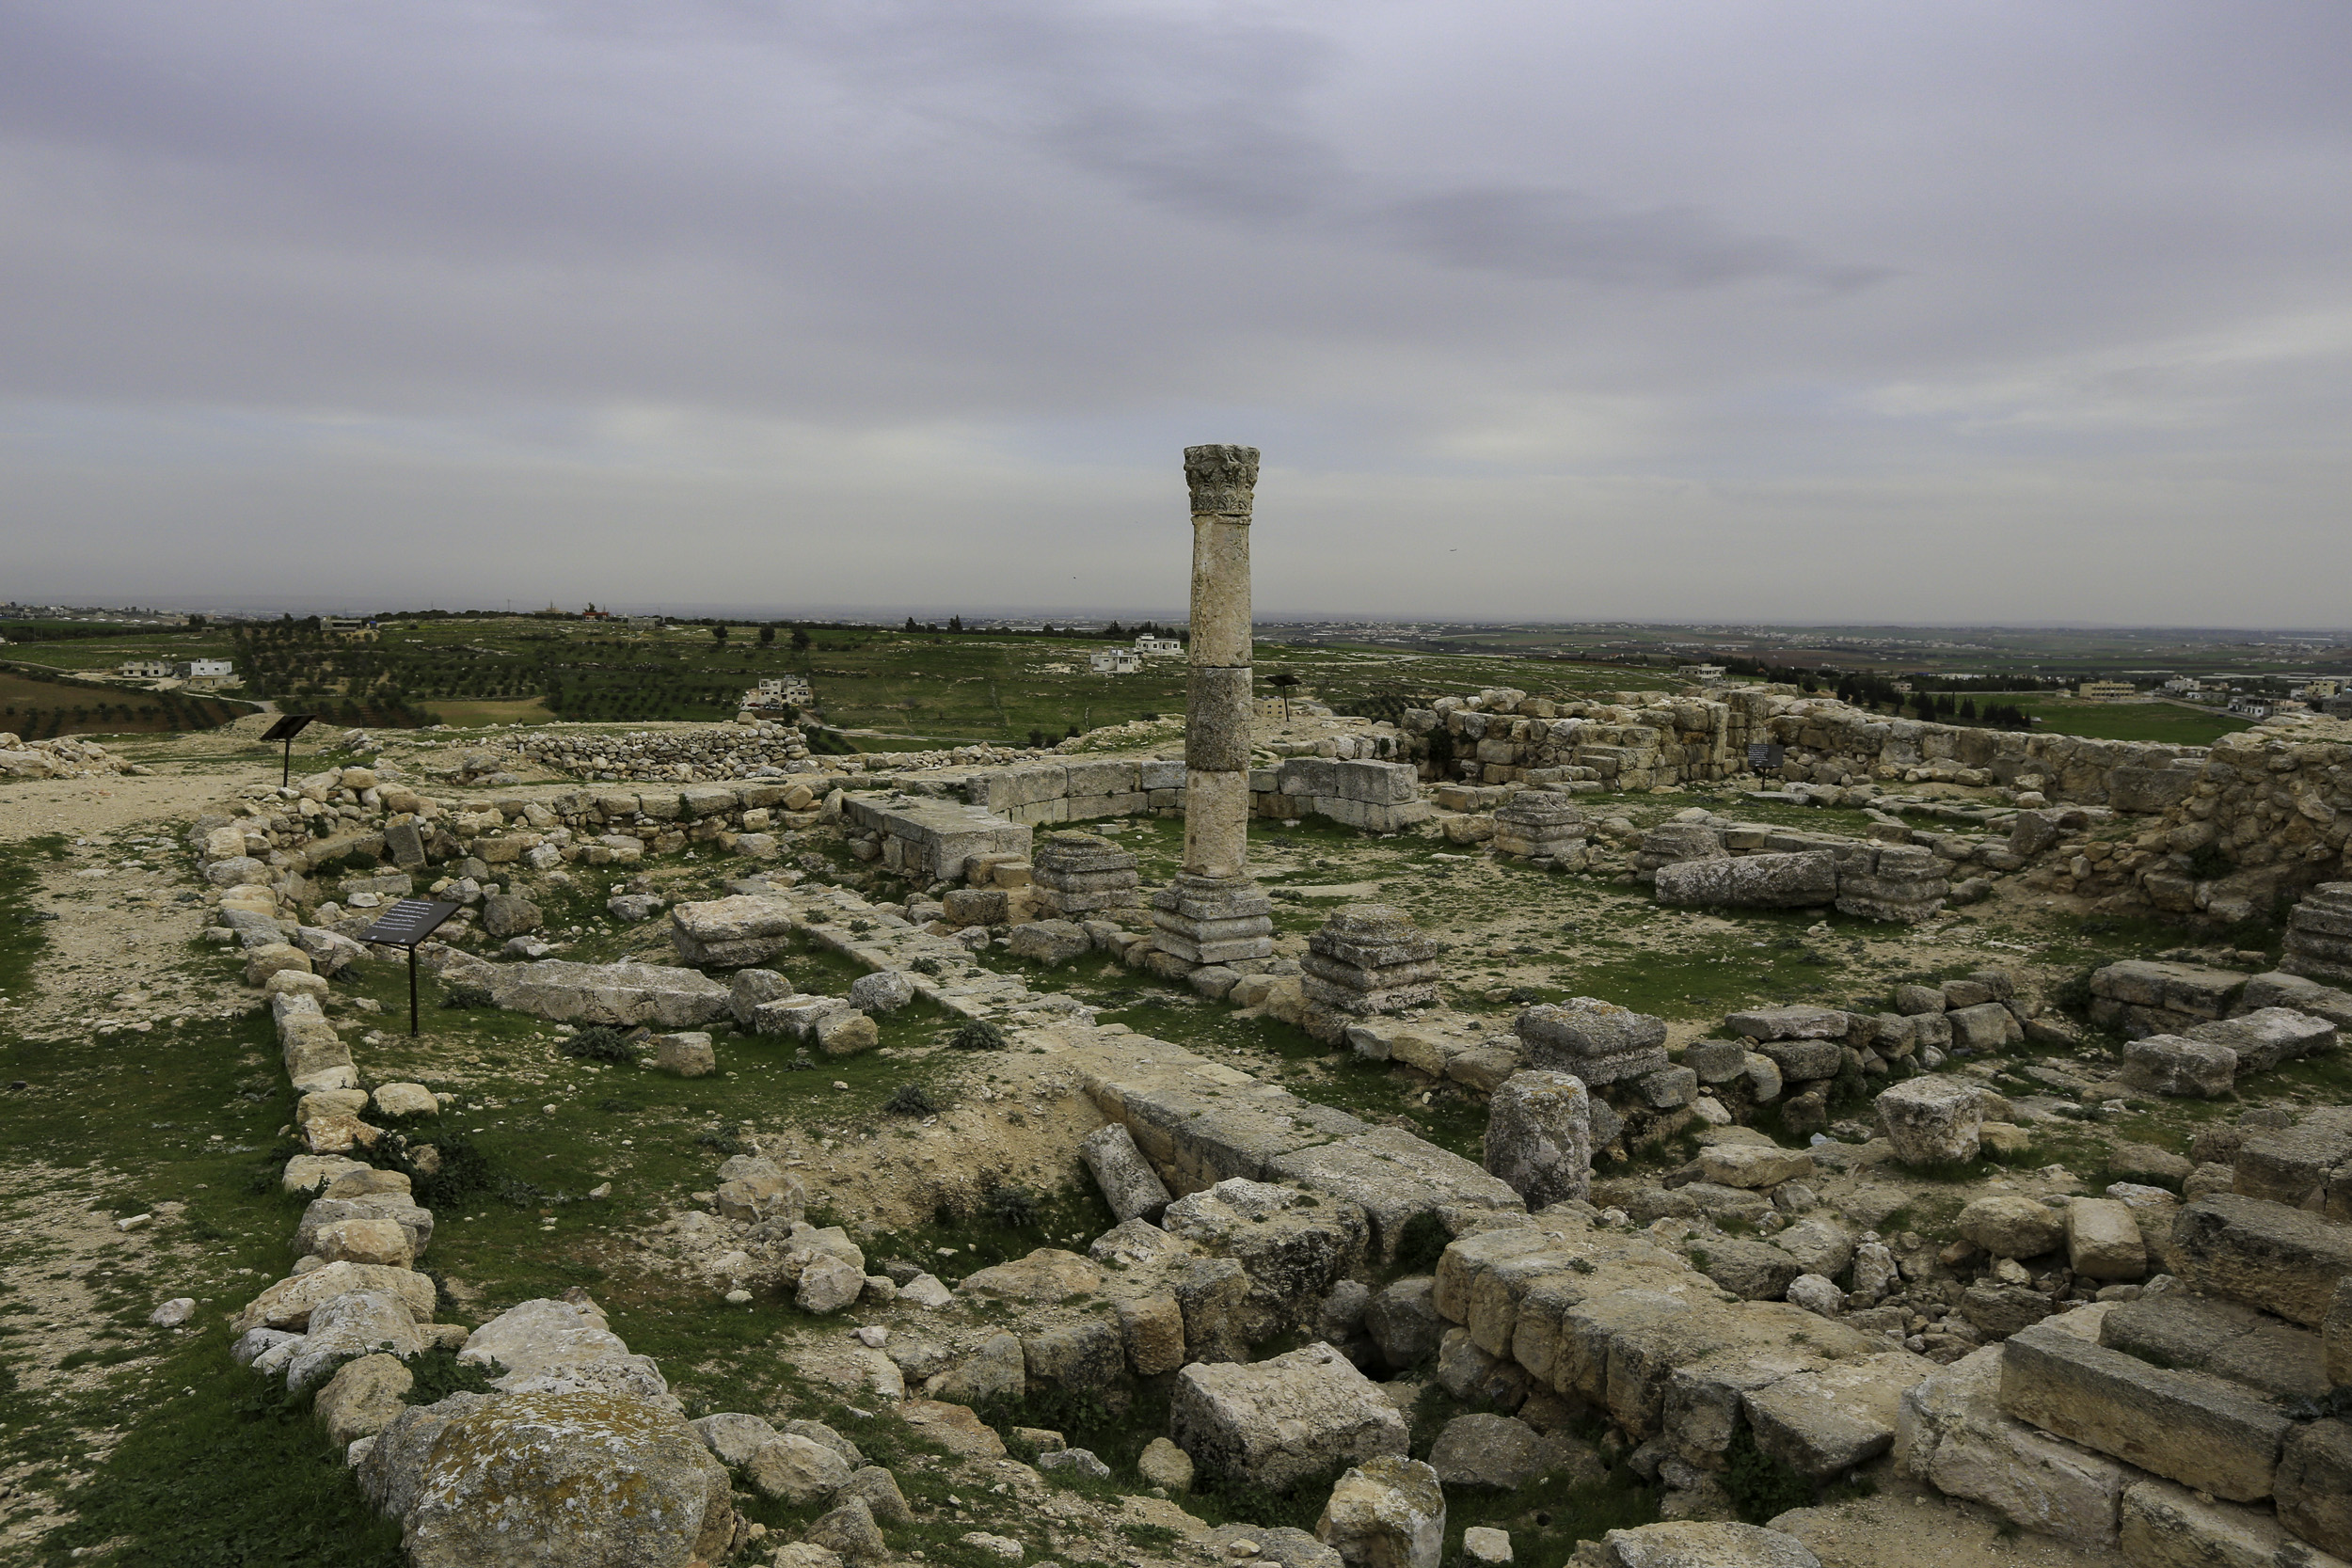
(1115,661)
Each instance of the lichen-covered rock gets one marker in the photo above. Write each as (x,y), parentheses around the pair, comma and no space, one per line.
(1292,1245)
(363,1398)
(289,1303)
(1385,1512)
(551,1346)
(1934,1119)
(585,1479)
(1539,1136)
(1277,1421)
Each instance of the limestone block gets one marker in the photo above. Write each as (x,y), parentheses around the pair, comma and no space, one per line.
(2166,1525)
(2266,1036)
(2008,1224)
(2314,1484)
(1932,1119)
(1826,1421)
(637,1486)
(2181,1328)
(1987,1027)
(2103,1239)
(1402,1319)
(733,932)
(1598,1041)
(2174,1065)
(688,1054)
(1273,1423)
(1753,1271)
(1151,1333)
(1753,1165)
(795,1470)
(1387,1512)
(1795,1022)
(1087,1354)
(2266,1255)
(997,1370)
(2189,1427)
(1690,1544)
(1952,1435)
(1291,1245)
(289,1303)
(354,1324)
(2278,988)
(1539,1136)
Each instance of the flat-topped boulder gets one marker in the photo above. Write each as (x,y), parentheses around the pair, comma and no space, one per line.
(734,932)
(590,1477)
(932,840)
(625,994)
(2144,996)
(1273,1423)
(2264,1254)
(1599,1041)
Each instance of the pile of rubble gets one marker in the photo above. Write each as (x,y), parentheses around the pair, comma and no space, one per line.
(62,758)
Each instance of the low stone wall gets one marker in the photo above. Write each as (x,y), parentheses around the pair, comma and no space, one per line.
(1381,797)
(1645,739)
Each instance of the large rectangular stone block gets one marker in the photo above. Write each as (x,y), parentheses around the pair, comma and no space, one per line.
(2196,1429)
(2266,1255)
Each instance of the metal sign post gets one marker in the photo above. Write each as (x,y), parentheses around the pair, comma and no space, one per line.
(286,729)
(405,924)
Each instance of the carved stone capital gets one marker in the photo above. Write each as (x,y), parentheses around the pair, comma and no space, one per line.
(1221,479)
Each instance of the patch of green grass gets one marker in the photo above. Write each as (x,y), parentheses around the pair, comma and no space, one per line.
(24,931)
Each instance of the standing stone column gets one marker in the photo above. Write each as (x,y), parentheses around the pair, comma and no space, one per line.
(1213,912)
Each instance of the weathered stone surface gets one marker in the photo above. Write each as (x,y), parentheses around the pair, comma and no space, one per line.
(1273,1423)
(289,1303)
(1496,1453)
(1794,1023)
(2175,1066)
(1690,1543)
(1753,1271)
(2103,1239)
(885,990)
(2283,1260)
(2314,1484)
(2166,1525)
(753,1188)
(2278,988)
(2288,1164)
(2147,997)
(1952,1435)
(2335,1331)
(589,1479)
(362,1398)
(850,1533)
(1997,1311)
(1371,959)
(686,1054)
(2008,1224)
(2266,1036)
(1825,1421)
(1539,1136)
(1051,941)
(1402,1319)
(732,1435)
(953,1427)
(1163,1463)
(1932,1119)
(1598,1041)
(2190,1427)
(1047,1275)
(1387,1512)
(828,1284)
(2181,1328)
(616,994)
(878,1490)
(562,1347)
(1130,1186)
(795,1469)
(1803,879)
(733,932)
(1753,1165)
(996,1369)
(1293,1245)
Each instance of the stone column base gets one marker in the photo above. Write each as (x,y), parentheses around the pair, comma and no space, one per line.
(1214,920)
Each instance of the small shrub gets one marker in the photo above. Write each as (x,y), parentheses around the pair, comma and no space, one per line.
(978,1034)
(2209,863)
(465,995)
(912,1100)
(1011,1208)
(719,1142)
(1760,1485)
(465,1172)
(601,1043)
(438,1373)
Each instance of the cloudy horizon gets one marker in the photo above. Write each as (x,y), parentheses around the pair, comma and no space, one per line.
(1828,313)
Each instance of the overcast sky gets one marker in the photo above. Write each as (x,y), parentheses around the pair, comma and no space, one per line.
(1882,311)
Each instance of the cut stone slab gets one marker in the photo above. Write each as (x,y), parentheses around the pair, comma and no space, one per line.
(562,1347)
(2166,1525)
(2103,1239)
(1753,1165)
(2180,1328)
(2266,1255)
(2190,1427)
(2314,1484)
(1387,1512)
(1932,1119)
(1952,1434)
(1599,1041)
(2008,1224)
(1498,1454)
(1272,1423)
(2179,1067)
(1827,1421)
(618,993)
(1799,1022)
(1790,880)
(2266,1036)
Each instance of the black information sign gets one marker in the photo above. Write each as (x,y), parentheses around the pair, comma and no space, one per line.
(1764,756)
(405,924)
(286,729)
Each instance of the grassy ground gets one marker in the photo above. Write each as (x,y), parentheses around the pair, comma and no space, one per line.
(2148,721)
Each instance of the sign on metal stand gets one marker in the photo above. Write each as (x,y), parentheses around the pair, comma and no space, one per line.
(286,729)
(1764,756)
(405,924)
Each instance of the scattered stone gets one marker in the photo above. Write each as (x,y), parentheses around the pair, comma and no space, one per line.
(1388,1511)
(1274,1423)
